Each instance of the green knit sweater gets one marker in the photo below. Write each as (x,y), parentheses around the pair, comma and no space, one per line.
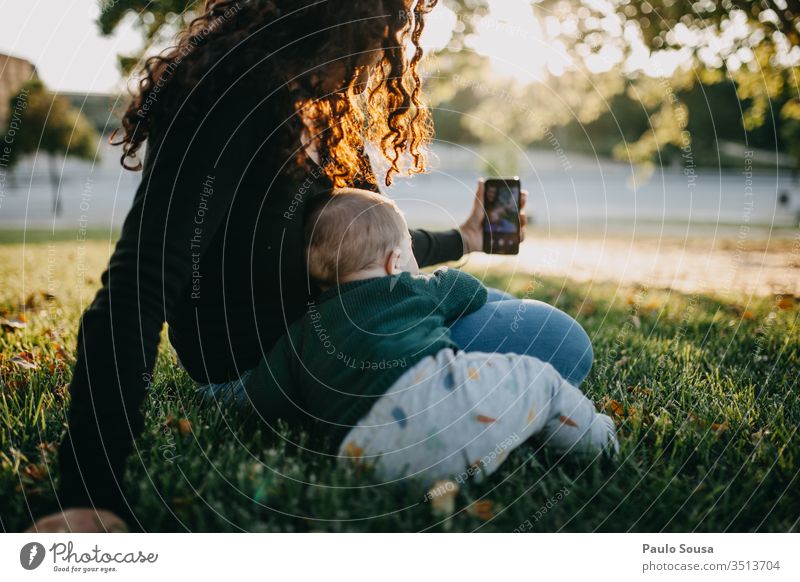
(354,342)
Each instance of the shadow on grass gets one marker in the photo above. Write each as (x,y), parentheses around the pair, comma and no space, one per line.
(704,392)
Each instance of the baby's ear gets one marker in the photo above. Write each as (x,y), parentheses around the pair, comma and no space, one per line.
(393,266)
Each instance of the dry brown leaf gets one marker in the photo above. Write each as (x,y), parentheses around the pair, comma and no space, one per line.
(482,509)
(640,391)
(720,427)
(786,302)
(24,360)
(184,426)
(614,408)
(61,353)
(760,435)
(35,472)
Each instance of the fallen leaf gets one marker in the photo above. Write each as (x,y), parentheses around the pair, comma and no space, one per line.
(786,302)
(760,435)
(354,451)
(47,447)
(61,353)
(485,419)
(482,509)
(640,391)
(24,360)
(720,427)
(184,426)
(614,407)
(35,472)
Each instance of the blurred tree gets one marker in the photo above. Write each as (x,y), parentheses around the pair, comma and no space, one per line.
(615,47)
(46,122)
(156,21)
(754,44)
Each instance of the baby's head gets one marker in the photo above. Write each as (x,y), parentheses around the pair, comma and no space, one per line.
(356,234)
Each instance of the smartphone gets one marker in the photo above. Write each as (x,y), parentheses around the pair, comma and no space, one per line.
(501,224)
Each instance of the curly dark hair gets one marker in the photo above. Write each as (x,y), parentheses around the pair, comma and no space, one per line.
(296,47)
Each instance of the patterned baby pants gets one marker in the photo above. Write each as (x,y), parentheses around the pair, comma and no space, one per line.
(461,414)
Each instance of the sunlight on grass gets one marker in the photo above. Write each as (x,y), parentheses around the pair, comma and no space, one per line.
(704,392)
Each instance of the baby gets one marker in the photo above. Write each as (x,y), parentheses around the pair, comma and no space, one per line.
(373,366)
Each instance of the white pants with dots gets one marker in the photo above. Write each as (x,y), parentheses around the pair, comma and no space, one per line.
(466,411)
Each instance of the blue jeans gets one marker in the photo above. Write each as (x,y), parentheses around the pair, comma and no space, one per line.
(526,326)
(504,325)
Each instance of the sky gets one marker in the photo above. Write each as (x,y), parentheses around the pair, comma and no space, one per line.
(61,38)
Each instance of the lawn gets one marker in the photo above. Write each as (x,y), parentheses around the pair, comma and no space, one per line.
(704,392)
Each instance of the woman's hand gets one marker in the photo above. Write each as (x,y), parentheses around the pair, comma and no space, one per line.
(472,229)
(80,520)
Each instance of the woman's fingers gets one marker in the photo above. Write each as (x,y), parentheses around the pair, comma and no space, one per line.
(523,217)
(477,204)
(472,229)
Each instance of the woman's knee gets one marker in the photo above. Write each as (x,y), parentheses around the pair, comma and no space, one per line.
(557,338)
(582,354)
(498,295)
(528,327)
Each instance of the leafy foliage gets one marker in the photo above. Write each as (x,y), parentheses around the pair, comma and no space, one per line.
(48,123)
(755,44)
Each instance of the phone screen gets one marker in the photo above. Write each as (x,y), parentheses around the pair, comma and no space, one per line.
(501,223)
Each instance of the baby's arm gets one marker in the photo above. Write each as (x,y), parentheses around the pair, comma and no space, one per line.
(457,293)
(270,387)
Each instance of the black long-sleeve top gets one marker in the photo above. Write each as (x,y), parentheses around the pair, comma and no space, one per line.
(212,245)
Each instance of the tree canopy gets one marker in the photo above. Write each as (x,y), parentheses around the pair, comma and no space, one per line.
(652,52)
(48,123)
(44,122)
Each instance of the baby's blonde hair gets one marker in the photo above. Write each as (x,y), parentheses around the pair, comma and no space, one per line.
(349,231)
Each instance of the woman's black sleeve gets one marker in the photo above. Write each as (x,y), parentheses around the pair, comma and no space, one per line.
(432,248)
(186,188)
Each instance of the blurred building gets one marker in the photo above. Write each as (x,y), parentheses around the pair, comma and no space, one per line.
(14,72)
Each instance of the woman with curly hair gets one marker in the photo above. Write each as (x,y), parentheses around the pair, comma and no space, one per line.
(258,106)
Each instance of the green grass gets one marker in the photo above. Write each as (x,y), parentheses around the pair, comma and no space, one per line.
(704,390)
(40,236)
